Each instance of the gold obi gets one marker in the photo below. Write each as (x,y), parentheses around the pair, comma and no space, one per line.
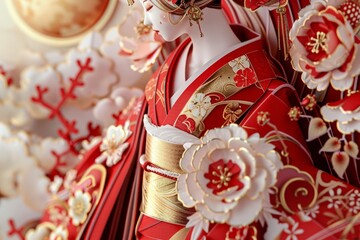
(159,198)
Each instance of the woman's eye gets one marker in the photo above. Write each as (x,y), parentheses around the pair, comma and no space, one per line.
(148,5)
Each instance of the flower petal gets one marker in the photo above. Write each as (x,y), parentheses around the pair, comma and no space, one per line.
(217,133)
(182,191)
(245,212)
(269,166)
(186,163)
(203,151)
(194,187)
(258,184)
(317,128)
(349,127)
(212,216)
(352,149)
(236,144)
(342,84)
(332,145)
(215,205)
(340,161)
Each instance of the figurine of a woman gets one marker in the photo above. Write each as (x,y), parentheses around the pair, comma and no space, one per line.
(213,150)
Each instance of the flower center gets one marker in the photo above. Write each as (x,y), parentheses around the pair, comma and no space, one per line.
(79,208)
(113,143)
(318,43)
(223,176)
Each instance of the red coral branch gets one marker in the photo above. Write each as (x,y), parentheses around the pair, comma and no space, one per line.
(73,148)
(93,131)
(15,231)
(69,125)
(116,116)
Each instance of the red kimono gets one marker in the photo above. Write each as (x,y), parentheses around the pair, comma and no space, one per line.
(242,88)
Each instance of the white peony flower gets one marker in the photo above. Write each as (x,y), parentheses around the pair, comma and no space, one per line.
(140,44)
(227,175)
(324,48)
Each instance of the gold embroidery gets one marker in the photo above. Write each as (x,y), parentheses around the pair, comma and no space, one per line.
(302,189)
(150,89)
(232,112)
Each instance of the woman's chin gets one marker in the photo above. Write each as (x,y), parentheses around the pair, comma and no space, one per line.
(158,37)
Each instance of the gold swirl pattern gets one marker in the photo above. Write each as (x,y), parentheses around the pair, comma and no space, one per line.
(300,189)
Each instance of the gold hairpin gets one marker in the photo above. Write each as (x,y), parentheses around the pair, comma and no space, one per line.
(130,2)
(195,13)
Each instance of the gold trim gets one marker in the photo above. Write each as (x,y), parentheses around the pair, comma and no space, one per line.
(58,41)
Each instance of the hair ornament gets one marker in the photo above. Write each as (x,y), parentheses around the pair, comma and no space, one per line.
(194,13)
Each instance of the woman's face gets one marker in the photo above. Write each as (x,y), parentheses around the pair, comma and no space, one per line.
(159,20)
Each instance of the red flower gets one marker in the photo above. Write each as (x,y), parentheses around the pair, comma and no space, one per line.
(223,175)
(244,77)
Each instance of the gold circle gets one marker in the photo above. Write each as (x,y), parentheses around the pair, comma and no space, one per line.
(60,22)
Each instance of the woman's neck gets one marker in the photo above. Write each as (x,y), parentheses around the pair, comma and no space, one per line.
(218,37)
